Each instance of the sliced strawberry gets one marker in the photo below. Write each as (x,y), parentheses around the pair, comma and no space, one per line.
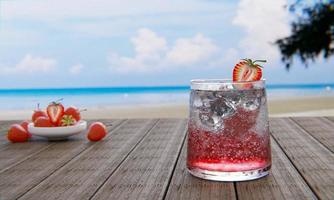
(247,70)
(55,112)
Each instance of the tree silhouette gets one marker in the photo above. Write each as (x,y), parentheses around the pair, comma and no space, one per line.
(312,33)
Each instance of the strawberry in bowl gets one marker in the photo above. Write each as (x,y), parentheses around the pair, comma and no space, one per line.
(74,112)
(55,112)
(57,123)
(38,113)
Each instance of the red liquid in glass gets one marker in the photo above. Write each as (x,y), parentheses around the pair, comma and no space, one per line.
(237,147)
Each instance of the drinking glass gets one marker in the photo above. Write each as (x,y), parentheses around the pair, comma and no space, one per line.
(228,130)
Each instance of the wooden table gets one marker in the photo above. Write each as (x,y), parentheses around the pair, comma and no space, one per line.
(145,159)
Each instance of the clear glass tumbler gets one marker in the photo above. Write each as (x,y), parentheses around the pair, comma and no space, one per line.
(228,130)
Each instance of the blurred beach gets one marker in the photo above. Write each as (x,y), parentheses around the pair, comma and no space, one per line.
(159,102)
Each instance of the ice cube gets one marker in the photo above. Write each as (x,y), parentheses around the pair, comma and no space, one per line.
(206,103)
(218,122)
(251,104)
(235,100)
(210,121)
(223,107)
(206,118)
(218,94)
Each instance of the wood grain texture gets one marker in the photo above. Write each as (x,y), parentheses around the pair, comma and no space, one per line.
(331,118)
(11,153)
(283,182)
(185,186)
(83,175)
(146,159)
(146,172)
(313,161)
(320,128)
(25,174)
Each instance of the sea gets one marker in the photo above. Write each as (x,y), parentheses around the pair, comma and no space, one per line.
(16,99)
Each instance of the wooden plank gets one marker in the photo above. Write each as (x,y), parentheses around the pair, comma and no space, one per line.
(283,182)
(17,179)
(11,153)
(331,118)
(313,161)
(82,176)
(320,128)
(17,152)
(146,172)
(185,186)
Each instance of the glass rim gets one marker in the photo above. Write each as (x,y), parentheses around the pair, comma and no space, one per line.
(224,84)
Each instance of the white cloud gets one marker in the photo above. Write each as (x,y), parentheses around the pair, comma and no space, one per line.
(148,42)
(264,22)
(152,53)
(191,50)
(76,69)
(149,49)
(30,64)
(227,59)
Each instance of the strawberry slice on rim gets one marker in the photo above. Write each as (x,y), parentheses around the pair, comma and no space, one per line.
(55,112)
(247,70)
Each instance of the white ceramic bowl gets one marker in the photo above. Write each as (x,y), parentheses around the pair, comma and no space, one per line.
(57,133)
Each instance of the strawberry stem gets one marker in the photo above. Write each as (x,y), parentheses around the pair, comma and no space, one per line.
(264,61)
(252,63)
(59,100)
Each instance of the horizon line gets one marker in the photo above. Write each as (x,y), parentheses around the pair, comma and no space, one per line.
(271,86)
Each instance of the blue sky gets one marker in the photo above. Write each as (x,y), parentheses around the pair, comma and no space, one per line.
(60,43)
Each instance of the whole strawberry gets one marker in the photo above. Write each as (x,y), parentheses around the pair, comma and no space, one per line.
(74,112)
(96,131)
(43,122)
(38,113)
(25,124)
(17,133)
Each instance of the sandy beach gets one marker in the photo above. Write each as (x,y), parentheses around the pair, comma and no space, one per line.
(305,106)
